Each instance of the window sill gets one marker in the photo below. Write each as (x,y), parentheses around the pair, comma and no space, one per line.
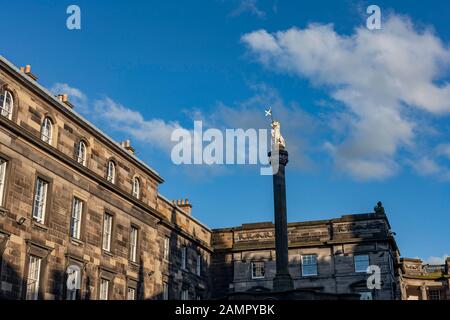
(76,241)
(108,253)
(3,211)
(39,226)
(134,264)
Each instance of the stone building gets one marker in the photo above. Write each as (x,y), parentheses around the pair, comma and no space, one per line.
(77,206)
(327,257)
(81,218)
(421,281)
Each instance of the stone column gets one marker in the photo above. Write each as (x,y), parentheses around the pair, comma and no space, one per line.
(282,280)
(423,290)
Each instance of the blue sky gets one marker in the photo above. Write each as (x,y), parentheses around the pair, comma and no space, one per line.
(365,113)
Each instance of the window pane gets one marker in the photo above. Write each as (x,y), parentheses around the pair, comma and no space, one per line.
(165,291)
(40,199)
(258,269)
(166,248)
(107,227)
(104,289)
(309,265)
(2,179)
(133,243)
(361,263)
(34,270)
(75,223)
(131,294)
(6,104)
(46,130)
(111,172)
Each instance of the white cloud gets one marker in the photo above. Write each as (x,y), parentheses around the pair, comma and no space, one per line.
(155,132)
(436,260)
(250,6)
(444,150)
(380,77)
(76,96)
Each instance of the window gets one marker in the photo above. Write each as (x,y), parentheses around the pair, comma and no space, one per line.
(258,270)
(131,294)
(34,271)
(184,295)
(136,188)
(46,130)
(111,172)
(6,104)
(81,154)
(165,291)
(166,254)
(40,200)
(107,230)
(183,257)
(73,282)
(309,265)
(365,296)
(104,289)
(2,180)
(133,243)
(198,266)
(434,294)
(361,263)
(75,220)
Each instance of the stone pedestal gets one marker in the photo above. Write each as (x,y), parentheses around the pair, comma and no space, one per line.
(282,280)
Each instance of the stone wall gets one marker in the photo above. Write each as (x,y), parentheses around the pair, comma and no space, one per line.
(155,217)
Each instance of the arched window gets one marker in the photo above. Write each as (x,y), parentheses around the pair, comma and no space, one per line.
(111,172)
(81,154)
(136,188)
(6,104)
(46,130)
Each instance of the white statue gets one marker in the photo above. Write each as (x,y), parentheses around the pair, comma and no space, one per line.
(277,138)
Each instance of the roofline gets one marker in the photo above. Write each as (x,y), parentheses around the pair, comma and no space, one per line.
(46,94)
(184,213)
(343,218)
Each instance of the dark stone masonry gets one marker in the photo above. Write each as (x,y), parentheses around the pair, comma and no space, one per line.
(81,218)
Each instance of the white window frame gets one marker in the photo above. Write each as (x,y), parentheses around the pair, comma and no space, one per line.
(81,153)
(40,200)
(184,294)
(3,167)
(307,265)
(136,188)
(47,130)
(358,260)
(75,218)
(166,251)
(104,289)
(165,291)
(131,293)
(72,294)
(33,280)
(198,266)
(183,257)
(134,233)
(258,269)
(107,231)
(111,172)
(7,111)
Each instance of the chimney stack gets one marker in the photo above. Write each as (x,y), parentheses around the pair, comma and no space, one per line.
(63,97)
(27,71)
(183,205)
(127,146)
